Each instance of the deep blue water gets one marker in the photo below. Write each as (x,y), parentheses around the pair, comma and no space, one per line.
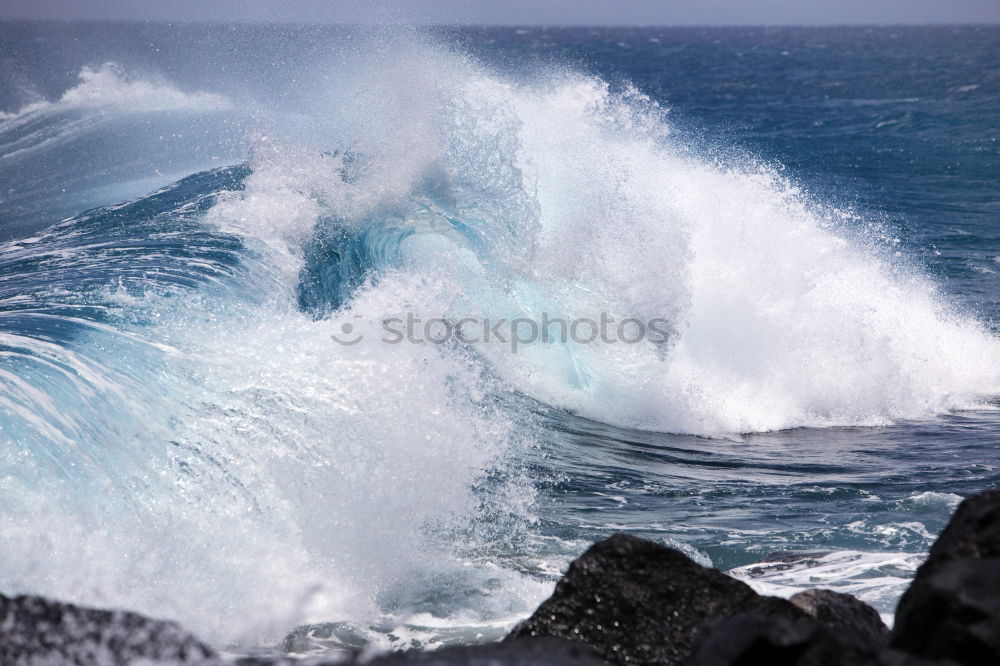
(189,213)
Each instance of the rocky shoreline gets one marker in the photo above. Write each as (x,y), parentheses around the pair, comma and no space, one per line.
(625,601)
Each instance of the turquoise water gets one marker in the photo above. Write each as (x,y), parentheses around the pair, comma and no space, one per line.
(193,216)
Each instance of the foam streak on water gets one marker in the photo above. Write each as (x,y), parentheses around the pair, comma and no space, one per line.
(183,437)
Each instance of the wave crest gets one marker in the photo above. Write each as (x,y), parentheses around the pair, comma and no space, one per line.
(111,87)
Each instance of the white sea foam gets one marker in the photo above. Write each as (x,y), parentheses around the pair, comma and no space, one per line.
(281,478)
(250,472)
(111,87)
(930,501)
(875,578)
(785,312)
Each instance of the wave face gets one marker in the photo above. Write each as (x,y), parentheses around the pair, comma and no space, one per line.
(173,421)
(178,416)
(558,196)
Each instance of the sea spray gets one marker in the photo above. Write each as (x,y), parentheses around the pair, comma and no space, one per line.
(187,439)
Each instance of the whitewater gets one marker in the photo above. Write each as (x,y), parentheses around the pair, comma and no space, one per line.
(184,436)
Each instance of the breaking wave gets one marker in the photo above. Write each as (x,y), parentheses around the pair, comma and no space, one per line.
(179,418)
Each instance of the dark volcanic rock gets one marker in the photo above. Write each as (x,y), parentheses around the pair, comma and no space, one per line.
(36,631)
(638,602)
(843,613)
(952,608)
(751,638)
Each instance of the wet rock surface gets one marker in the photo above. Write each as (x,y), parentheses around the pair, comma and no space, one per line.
(37,631)
(638,602)
(752,638)
(844,613)
(952,608)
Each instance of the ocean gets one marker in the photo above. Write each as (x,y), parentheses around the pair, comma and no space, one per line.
(370,331)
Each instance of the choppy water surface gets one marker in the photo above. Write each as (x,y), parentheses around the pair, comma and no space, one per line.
(191,214)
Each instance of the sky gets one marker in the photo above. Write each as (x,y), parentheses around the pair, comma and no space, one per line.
(519,12)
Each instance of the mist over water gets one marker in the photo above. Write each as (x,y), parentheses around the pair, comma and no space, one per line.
(184,437)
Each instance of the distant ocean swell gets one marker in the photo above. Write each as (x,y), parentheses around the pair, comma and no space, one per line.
(178,417)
